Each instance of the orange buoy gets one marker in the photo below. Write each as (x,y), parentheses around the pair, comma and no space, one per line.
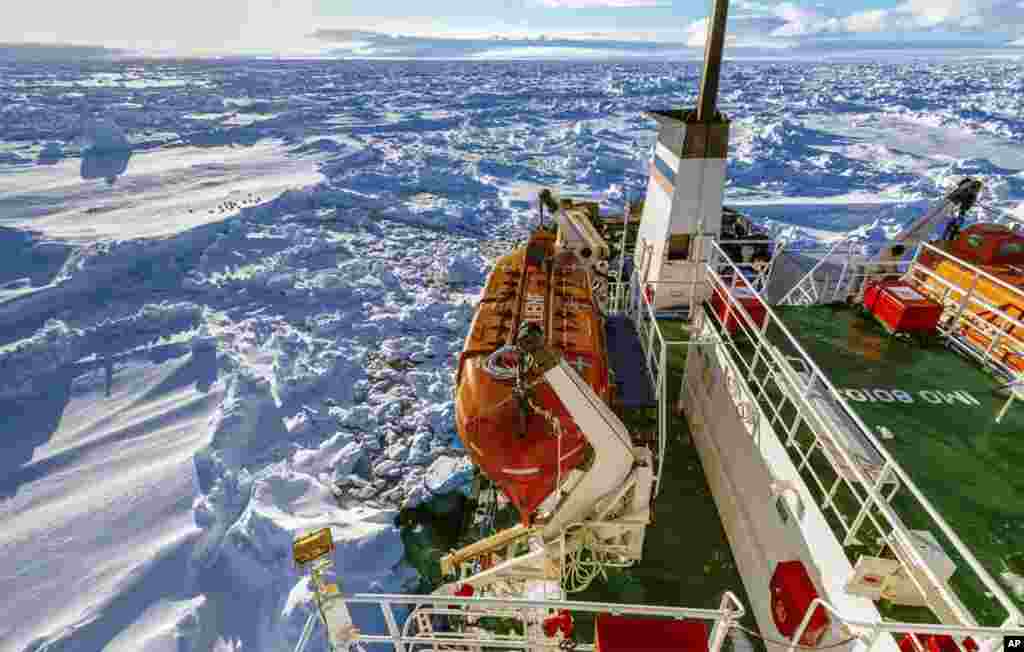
(511,422)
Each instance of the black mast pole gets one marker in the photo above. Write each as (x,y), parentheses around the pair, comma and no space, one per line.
(712,62)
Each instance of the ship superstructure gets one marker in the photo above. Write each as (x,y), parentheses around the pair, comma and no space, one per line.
(808,381)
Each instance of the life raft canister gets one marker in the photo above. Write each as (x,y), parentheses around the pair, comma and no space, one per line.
(792,592)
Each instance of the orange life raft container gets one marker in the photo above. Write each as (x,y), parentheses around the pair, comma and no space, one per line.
(999,252)
(523,441)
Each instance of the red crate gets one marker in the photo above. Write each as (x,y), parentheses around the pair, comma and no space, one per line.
(902,308)
(744,296)
(635,634)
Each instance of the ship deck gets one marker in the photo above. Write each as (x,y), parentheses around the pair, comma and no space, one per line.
(687,559)
(941,410)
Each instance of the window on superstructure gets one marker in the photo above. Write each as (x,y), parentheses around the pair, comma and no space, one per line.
(679,247)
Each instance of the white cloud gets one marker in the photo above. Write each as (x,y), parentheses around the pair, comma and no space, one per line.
(697,33)
(804,21)
(765,23)
(945,15)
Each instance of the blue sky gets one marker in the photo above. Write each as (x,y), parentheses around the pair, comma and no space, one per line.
(288,26)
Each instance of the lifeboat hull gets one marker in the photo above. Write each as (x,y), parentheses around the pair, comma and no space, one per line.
(525,441)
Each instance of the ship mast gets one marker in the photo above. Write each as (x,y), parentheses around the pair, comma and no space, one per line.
(682,212)
(712,62)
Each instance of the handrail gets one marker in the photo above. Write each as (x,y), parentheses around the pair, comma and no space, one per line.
(894,627)
(572,605)
(645,317)
(968,298)
(814,268)
(973,268)
(882,505)
(730,611)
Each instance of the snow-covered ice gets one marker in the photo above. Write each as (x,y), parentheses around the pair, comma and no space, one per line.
(232,294)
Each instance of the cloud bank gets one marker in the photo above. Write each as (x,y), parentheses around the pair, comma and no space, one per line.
(292,27)
(788,22)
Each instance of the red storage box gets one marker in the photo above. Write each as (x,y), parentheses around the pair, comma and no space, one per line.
(744,296)
(901,308)
(628,634)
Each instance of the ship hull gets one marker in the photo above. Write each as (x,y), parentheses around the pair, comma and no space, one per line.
(744,474)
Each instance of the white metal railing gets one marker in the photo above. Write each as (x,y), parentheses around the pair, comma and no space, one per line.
(627,299)
(824,283)
(451,623)
(464,631)
(969,317)
(757,272)
(775,384)
(871,631)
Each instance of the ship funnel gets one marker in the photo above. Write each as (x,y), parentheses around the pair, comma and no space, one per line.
(683,207)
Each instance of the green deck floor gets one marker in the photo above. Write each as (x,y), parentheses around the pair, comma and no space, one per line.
(941,408)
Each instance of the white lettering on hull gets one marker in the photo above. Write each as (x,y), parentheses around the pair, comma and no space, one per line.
(930,396)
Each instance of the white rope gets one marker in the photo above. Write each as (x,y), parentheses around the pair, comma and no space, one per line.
(493,364)
(579,572)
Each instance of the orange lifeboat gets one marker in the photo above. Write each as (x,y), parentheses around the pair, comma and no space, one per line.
(999,252)
(510,420)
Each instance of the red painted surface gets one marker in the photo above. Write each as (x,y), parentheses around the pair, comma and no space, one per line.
(935,643)
(792,592)
(730,317)
(989,244)
(627,634)
(559,622)
(902,307)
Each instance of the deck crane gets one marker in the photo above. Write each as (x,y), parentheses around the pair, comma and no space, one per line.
(961,199)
